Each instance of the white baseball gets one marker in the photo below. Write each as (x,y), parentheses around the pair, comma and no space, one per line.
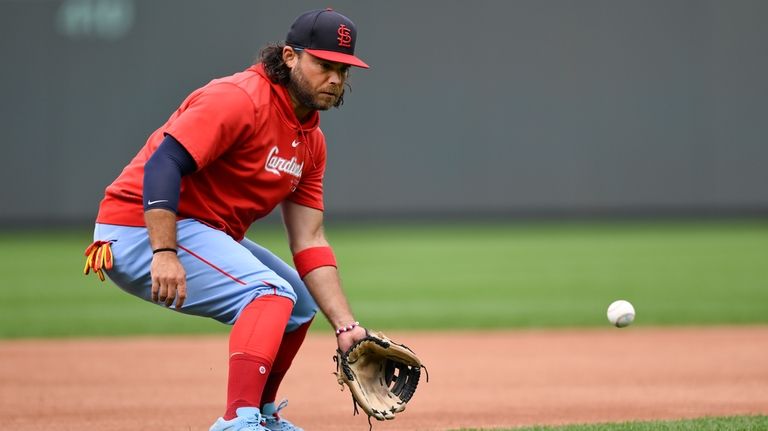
(621,313)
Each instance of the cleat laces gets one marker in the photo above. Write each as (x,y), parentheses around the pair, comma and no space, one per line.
(275,423)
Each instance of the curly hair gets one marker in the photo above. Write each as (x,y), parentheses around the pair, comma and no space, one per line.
(271,56)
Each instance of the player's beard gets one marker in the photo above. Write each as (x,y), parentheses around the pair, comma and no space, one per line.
(302,91)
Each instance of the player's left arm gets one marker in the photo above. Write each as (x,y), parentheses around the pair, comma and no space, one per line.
(304,226)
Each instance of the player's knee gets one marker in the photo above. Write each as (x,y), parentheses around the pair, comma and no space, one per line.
(300,318)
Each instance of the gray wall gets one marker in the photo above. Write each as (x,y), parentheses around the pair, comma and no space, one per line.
(470,107)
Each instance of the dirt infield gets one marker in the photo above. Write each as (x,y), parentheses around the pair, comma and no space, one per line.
(497,379)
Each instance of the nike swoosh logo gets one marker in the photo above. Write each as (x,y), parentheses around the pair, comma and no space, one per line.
(295,143)
(156,202)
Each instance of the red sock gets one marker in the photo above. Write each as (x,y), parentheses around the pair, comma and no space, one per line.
(253,345)
(288,348)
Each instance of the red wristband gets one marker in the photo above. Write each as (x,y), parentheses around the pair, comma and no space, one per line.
(313,258)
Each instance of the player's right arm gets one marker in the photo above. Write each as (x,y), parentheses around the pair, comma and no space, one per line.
(213,119)
(162,187)
(169,280)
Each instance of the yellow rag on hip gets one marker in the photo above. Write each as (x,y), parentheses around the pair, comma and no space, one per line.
(98,258)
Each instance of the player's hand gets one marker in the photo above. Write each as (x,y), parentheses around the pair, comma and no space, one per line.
(348,338)
(169,280)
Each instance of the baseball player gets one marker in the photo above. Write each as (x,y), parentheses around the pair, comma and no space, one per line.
(171,228)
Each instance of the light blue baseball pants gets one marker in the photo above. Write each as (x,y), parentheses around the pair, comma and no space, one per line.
(223,275)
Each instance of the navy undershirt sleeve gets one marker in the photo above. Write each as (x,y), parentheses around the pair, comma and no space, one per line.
(163,172)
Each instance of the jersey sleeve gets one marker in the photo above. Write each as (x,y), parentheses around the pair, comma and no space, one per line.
(309,192)
(211,120)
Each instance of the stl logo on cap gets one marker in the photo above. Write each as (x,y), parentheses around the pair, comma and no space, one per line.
(345,37)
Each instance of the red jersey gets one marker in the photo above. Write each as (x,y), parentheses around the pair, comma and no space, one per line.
(251,153)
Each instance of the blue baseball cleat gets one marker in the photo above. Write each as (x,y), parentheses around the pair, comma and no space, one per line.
(248,419)
(272,419)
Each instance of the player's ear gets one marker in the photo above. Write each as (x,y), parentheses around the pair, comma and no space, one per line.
(290,56)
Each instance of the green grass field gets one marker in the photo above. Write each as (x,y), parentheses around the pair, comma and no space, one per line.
(439,276)
(447,276)
(730,423)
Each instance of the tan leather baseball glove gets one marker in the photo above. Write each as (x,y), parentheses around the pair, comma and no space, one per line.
(382,375)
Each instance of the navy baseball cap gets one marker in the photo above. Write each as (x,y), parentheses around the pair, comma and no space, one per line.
(326,34)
